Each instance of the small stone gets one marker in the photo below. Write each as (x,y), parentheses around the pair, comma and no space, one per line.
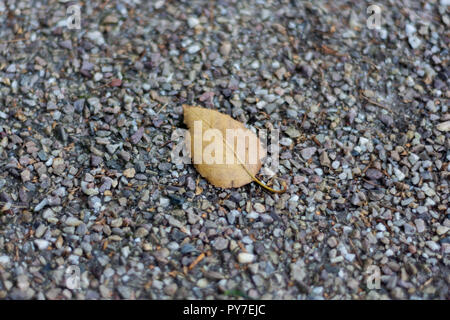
(397,293)
(409,229)
(306,70)
(117,223)
(129,173)
(98,76)
(298,272)
(187,248)
(137,136)
(292,132)
(374,174)
(141,232)
(48,214)
(124,291)
(190,183)
(410,29)
(40,230)
(355,200)
(41,205)
(4,260)
(220,243)
(307,153)
(399,174)
(324,159)
(433,245)
(413,158)
(110,19)
(245,257)
(444,126)
(231,216)
(381,227)
(96,37)
(73,222)
(79,105)
(259,207)
(11,68)
(164,202)
(363,141)
(25,175)
(112,148)
(225,48)
(254,64)
(387,120)
(193,48)
(332,242)
(441,230)
(350,257)
(22,282)
(175,222)
(171,289)
(202,283)
(428,191)
(88,190)
(420,225)
(192,22)
(96,161)
(414,42)
(335,164)
(42,244)
(159,4)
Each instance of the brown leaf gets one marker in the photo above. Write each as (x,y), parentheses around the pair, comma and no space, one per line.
(225,161)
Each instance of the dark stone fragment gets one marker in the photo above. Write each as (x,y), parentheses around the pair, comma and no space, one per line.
(79,105)
(175,200)
(177,235)
(187,248)
(113,165)
(61,133)
(136,137)
(374,174)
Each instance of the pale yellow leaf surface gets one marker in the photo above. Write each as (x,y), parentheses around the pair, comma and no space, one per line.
(220,173)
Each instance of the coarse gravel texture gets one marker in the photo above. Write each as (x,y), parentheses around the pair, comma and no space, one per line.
(87,179)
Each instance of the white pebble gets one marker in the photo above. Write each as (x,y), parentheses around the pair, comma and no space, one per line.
(410,29)
(399,174)
(96,37)
(194,48)
(381,227)
(73,222)
(441,230)
(164,202)
(414,42)
(335,164)
(193,22)
(444,126)
(42,244)
(245,257)
(4,260)
(259,207)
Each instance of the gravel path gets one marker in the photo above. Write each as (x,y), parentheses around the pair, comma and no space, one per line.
(86,178)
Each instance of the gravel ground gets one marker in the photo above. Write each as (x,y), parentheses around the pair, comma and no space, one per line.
(86,179)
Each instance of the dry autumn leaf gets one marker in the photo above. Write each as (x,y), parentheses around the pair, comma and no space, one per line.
(223,150)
